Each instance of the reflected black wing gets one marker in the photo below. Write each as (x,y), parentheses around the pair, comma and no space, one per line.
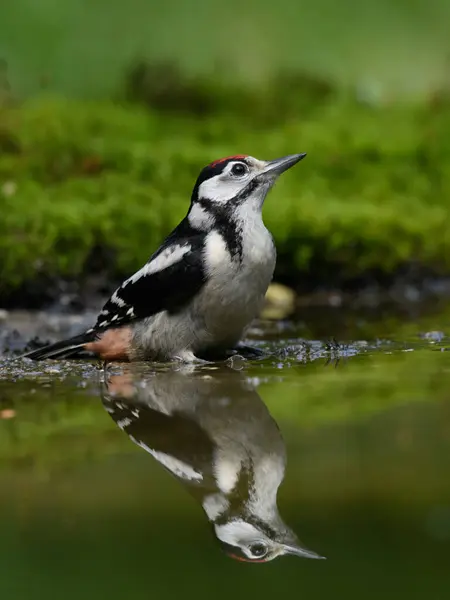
(177,442)
(170,279)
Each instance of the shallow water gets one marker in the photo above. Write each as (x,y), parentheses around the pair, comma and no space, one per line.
(109,482)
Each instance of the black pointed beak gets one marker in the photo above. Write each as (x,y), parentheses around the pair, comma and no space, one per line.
(280,165)
(303,552)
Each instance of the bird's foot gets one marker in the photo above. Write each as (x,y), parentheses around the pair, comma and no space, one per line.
(187,356)
(247,352)
(241,352)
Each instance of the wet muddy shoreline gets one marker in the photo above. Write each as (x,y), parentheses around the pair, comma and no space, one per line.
(21,330)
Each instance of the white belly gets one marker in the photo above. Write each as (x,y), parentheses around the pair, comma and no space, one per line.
(217,318)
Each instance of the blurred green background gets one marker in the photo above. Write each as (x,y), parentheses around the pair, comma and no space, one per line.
(108,111)
(83,48)
(113,108)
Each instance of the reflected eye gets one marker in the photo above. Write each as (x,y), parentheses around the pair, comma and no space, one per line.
(259,550)
(239,169)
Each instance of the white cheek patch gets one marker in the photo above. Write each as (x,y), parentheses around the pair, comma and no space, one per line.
(239,533)
(217,189)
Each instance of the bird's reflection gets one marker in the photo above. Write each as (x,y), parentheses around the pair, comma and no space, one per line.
(217,437)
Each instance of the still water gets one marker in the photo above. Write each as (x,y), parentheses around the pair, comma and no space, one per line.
(165,482)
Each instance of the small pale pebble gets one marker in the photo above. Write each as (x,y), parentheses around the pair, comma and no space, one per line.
(7,413)
(279,302)
(9,188)
(433,336)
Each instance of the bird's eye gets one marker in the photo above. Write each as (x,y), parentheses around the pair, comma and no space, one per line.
(259,550)
(239,169)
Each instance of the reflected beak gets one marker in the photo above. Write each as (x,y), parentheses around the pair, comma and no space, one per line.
(280,165)
(303,552)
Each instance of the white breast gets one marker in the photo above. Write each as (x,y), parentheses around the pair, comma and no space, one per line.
(235,290)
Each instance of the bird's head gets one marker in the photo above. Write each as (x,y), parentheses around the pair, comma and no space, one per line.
(258,543)
(238,181)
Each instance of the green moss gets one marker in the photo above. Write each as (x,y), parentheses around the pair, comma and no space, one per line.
(76,177)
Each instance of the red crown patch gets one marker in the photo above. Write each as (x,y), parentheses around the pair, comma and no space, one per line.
(221,160)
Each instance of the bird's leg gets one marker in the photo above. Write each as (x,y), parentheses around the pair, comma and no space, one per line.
(187,356)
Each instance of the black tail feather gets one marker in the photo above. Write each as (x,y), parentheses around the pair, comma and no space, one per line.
(62,349)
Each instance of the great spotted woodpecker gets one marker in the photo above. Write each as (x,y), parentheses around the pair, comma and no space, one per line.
(201,289)
(216,436)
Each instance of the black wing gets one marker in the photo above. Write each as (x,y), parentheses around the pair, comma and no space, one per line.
(174,435)
(172,277)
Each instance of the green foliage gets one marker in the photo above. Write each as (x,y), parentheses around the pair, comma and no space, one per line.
(389,47)
(77,178)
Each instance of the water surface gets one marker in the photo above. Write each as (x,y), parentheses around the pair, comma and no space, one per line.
(125,484)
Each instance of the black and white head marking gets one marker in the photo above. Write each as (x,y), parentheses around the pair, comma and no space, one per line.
(230,192)
(224,179)
(220,188)
(252,540)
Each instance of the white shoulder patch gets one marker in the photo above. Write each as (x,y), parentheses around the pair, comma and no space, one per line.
(167,258)
(226,471)
(174,465)
(239,533)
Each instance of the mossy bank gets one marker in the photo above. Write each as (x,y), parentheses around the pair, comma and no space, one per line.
(91,188)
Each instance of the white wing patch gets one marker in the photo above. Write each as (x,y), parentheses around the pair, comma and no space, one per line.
(115,299)
(167,258)
(122,423)
(174,465)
